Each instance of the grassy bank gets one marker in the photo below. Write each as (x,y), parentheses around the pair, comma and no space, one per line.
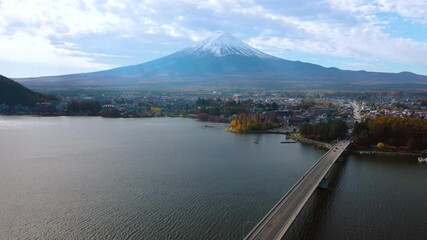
(299,138)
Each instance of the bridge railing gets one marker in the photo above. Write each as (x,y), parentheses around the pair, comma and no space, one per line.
(290,190)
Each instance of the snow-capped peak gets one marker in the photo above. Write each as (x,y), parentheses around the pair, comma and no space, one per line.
(222,44)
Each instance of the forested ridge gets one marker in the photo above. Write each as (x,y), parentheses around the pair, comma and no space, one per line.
(13,93)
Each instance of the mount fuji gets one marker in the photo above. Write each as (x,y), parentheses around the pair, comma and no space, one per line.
(223,44)
(225,61)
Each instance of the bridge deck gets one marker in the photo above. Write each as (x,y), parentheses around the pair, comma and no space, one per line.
(278,219)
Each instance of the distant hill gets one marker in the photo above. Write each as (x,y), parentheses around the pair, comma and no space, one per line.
(13,93)
(225,61)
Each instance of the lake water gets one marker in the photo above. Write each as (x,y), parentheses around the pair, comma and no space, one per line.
(166,178)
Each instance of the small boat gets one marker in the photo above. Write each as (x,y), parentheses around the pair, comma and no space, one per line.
(422,160)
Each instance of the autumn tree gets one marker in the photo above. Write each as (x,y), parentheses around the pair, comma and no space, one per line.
(395,131)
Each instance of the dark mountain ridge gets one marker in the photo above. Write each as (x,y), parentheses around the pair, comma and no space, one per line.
(13,93)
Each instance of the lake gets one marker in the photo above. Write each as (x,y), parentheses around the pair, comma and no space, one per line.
(172,178)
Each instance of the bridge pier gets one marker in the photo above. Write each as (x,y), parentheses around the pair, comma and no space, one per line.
(324,184)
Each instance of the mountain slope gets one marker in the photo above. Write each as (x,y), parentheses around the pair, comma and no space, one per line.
(13,93)
(225,60)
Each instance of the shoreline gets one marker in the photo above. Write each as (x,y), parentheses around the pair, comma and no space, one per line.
(294,136)
(268,131)
(382,153)
(301,139)
(327,146)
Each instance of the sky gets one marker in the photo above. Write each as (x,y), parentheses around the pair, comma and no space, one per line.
(53,37)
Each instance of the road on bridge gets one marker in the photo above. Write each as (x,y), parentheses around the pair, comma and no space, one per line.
(279,219)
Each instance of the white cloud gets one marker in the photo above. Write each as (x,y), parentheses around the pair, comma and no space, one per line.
(27,28)
(364,39)
(51,17)
(365,44)
(357,6)
(413,9)
(51,31)
(21,47)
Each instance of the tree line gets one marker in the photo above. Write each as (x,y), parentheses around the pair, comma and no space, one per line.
(252,122)
(329,131)
(392,131)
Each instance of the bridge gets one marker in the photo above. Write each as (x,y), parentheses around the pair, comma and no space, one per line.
(277,221)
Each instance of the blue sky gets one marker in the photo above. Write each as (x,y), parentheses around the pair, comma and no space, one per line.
(51,37)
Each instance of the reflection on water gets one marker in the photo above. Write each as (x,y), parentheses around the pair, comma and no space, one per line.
(95,178)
